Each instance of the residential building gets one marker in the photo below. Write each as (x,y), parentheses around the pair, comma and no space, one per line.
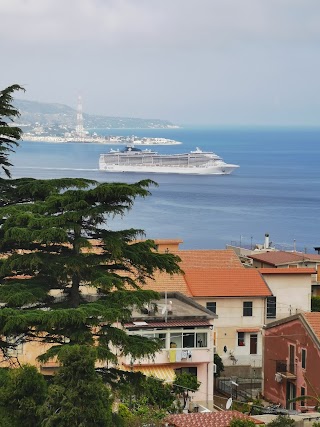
(243,298)
(186,331)
(238,297)
(283,259)
(292,360)
(291,291)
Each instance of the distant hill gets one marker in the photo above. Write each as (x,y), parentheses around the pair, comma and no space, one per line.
(61,116)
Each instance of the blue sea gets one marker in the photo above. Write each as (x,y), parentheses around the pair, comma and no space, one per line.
(275,190)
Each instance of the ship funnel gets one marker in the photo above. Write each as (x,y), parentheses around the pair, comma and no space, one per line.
(266,241)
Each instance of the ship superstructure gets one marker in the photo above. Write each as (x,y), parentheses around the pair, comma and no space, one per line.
(132,159)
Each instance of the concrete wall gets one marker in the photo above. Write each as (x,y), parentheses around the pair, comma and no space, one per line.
(293,293)
(230,319)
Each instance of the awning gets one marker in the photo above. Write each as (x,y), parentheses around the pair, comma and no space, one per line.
(162,372)
(248,330)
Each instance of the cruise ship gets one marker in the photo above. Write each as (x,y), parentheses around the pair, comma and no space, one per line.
(132,159)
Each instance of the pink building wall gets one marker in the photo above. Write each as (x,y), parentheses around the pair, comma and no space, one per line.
(277,340)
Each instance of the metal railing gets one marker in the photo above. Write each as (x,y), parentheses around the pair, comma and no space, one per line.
(239,388)
(283,366)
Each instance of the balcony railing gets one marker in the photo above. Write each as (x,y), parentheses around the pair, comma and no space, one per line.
(286,368)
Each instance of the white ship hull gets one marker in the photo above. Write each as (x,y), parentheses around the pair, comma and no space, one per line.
(147,161)
(192,170)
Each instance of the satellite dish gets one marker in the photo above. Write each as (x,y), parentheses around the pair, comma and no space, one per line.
(229,403)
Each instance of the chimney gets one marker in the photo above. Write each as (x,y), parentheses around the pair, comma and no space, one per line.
(266,241)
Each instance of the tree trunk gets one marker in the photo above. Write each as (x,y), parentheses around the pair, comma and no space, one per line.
(75,292)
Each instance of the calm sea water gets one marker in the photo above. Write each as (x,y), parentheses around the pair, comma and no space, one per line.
(275,190)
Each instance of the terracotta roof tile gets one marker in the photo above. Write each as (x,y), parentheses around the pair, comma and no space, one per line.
(314,321)
(287,270)
(208,419)
(213,258)
(283,257)
(213,282)
(165,282)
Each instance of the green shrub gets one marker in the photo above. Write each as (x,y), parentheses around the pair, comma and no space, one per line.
(282,421)
(238,422)
(241,407)
(315,303)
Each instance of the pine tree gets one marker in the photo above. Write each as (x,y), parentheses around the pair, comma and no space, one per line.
(56,242)
(9,135)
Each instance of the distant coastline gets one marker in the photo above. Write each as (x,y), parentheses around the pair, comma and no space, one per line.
(110,140)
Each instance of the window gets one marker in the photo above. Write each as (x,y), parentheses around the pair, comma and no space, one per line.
(212,306)
(16,343)
(189,370)
(154,336)
(303,393)
(303,358)
(247,308)
(241,342)
(201,339)
(253,343)
(271,307)
(189,339)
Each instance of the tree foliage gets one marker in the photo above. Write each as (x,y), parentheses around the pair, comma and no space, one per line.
(22,393)
(77,396)
(238,422)
(184,384)
(282,421)
(9,135)
(58,242)
(68,279)
(219,364)
(315,303)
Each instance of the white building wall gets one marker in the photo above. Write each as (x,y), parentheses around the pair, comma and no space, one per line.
(230,320)
(293,293)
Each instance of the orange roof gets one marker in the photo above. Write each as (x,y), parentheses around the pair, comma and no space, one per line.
(287,270)
(283,257)
(314,321)
(213,258)
(207,419)
(165,282)
(214,282)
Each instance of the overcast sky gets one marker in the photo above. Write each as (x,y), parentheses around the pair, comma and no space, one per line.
(221,62)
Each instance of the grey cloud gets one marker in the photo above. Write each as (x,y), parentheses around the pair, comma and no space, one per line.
(165,23)
(197,61)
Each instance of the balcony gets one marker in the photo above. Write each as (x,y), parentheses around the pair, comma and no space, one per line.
(170,356)
(286,370)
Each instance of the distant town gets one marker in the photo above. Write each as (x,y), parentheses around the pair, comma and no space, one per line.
(60,123)
(95,138)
